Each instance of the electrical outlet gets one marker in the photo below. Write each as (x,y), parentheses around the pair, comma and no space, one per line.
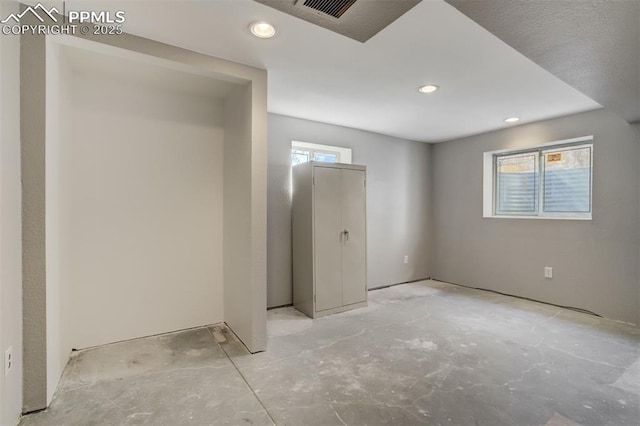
(8,361)
(406,259)
(548,272)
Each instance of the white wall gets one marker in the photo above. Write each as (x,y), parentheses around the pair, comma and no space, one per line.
(237,208)
(595,263)
(398,201)
(10,223)
(150,184)
(243,239)
(140,219)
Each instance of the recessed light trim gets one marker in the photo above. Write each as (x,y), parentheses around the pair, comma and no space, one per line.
(428,88)
(512,119)
(262,29)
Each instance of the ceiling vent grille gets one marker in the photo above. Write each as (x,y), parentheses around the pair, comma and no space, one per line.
(335,8)
(356,19)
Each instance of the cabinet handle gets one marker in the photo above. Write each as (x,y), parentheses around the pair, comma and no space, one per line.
(346,235)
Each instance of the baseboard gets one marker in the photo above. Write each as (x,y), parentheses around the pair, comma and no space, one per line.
(573,308)
(405,282)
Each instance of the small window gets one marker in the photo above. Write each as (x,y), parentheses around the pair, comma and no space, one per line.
(550,181)
(299,156)
(302,152)
(327,157)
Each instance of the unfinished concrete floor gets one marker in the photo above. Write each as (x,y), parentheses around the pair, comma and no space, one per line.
(422,353)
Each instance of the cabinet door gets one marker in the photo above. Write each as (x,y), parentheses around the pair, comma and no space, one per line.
(328,236)
(354,285)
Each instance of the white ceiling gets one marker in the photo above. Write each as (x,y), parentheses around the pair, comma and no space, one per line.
(320,75)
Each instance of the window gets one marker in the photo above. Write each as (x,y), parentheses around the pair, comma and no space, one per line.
(517,184)
(550,181)
(302,152)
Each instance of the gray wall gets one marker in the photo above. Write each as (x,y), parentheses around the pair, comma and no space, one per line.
(636,127)
(398,207)
(32,134)
(10,223)
(595,262)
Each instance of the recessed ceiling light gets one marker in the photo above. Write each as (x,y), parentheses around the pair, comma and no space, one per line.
(262,29)
(429,88)
(511,119)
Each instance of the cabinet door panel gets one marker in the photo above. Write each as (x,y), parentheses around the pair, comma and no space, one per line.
(328,233)
(354,250)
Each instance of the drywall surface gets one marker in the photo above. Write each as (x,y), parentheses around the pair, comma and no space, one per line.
(255,256)
(140,210)
(238,237)
(38,363)
(32,136)
(636,127)
(398,207)
(10,223)
(259,158)
(237,207)
(57,130)
(595,263)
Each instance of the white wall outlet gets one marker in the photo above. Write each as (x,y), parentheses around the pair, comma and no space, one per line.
(8,361)
(406,259)
(548,272)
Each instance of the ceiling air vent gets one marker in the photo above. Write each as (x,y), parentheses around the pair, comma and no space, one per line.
(356,19)
(335,8)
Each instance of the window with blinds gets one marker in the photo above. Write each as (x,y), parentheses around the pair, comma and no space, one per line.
(517,184)
(567,180)
(550,181)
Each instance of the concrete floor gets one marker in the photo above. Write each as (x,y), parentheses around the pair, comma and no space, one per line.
(422,353)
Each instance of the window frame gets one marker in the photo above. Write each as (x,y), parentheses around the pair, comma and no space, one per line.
(490,181)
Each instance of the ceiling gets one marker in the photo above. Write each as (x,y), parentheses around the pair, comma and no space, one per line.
(593,45)
(320,75)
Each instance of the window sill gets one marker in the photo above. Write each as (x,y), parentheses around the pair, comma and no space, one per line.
(538,217)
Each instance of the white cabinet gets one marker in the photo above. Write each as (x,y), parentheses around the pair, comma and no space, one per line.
(329,238)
